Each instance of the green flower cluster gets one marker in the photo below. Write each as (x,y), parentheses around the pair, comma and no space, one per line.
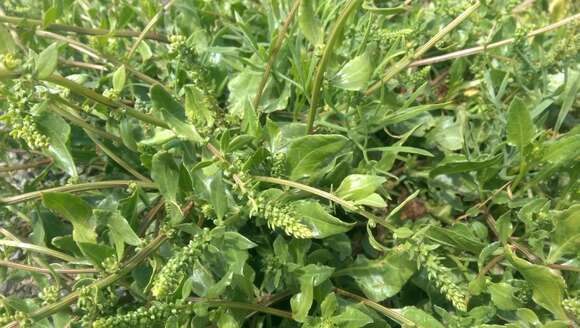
(49,294)
(284,217)
(572,306)
(442,277)
(170,277)
(157,313)
(278,165)
(22,124)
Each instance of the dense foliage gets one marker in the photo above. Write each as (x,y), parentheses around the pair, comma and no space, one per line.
(287,163)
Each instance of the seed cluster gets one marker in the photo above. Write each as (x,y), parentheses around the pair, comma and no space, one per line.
(284,217)
(143,316)
(170,277)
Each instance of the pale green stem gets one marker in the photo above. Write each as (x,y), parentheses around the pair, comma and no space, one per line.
(38,249)
(391,313)
(485,47)
(320,70)
(346,204)
(274,52)
(246,306)
(147,28)
(29,22)
(127,268)
(406,61)
(78,121)
(24,267)
(74,188)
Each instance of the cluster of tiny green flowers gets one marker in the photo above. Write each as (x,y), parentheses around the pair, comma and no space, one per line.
(171,275)
(451,8)
(523,292)
(111,264)
(6,319)
(141,317)
(417,77)
(111,94)
(21,122)
(572,306)
(278,165)
(284,217)
(9,61)
(442,277)
(178,46)
(563,51)
(388,37)
(49,294)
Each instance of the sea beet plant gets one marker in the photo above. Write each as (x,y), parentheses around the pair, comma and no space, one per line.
(289,163)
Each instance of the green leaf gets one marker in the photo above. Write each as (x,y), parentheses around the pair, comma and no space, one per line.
(218,197)
(504,227)
(309,23)
(7,44)
(165,173)
(120,231)
(315,155)
(455,238)
(75,210)
(97,253)
(173,114)
(547,286)
(318,220)
(47,61)
(373,200)
(242,88)
(520,128)
(355,74)
(119,78)
(381,278)
(310,276)
(50,16)
(196,107)
(58,131)
(464,166)
(566,234)
(562,150)
(502,295)
(359,186)
(351,317)
(421,318)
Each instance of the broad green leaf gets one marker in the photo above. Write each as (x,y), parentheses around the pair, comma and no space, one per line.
(421,318)
(50,16)
(355,74)
(504,227)
(351,317)
(314,155)
(58,131)
(455,238)
(520,128)
(569,95)
(97,253)
(242,88)
(329,305)
(548,287)
(75,210)
(566,234)
(119,78)
(218,197)
(47,61)
(562,150)
(165,173)
(372,200)
(120,231)
(173,114)
(309,23)
(502,295)
(310,276)
(197,107)
(359,186)
(321,223)
(7,44)
(381,278)
(464,166)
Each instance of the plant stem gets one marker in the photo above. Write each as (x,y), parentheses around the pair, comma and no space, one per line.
(26,166)
(246,306)
(483,48)
(74,188)
(78,121)
(29,22)
(97,55)
(91,94)
(391,313)
(320,70)
(38,249)
(30,268)
(274,52)
(50,309)
(346,204)
(147,28)
(79,64)
(406,61)
(121,162)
